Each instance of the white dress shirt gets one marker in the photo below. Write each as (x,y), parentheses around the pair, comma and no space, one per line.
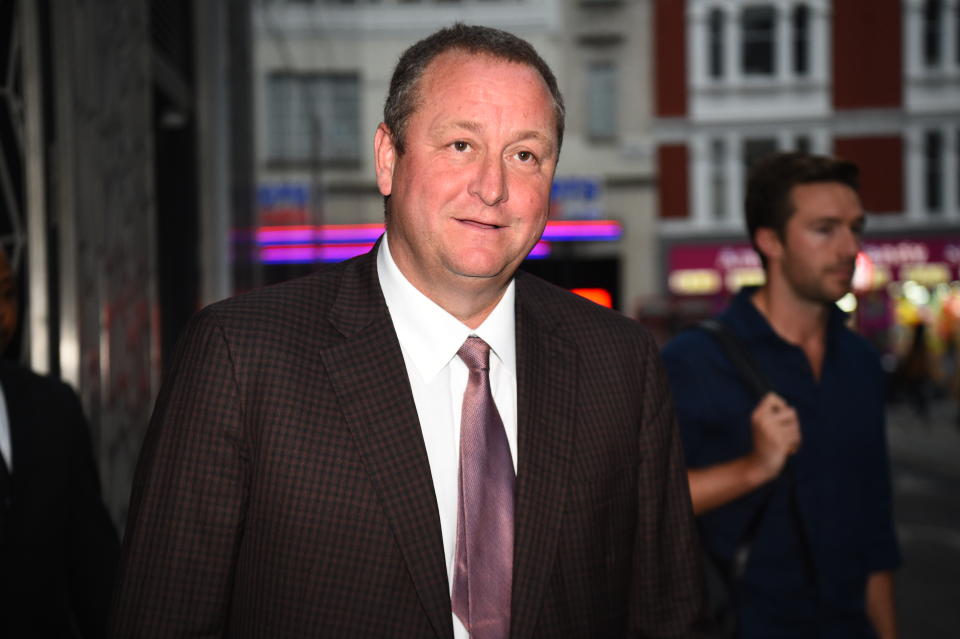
(6,446)
(430,338)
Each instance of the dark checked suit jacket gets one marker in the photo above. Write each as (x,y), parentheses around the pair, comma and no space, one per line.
(58,547)
(284,488)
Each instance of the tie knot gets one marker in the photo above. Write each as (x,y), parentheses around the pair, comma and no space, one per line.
(475,353)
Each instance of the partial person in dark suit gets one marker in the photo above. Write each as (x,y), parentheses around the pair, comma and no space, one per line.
(303,474)
(58,547)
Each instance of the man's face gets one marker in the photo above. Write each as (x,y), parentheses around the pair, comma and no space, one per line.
(8,302)
(469,197)
(822,239)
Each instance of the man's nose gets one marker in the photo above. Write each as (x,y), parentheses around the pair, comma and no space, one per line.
(851,244)
(490,181)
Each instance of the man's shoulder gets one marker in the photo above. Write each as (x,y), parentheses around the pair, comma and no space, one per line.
(17,377)
(569,310)
(319,287)
(690,341)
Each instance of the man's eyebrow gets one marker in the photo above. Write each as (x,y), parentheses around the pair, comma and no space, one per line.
(539,137)
(477,128)
(837,218)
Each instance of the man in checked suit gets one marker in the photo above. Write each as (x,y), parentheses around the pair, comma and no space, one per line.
(300,475)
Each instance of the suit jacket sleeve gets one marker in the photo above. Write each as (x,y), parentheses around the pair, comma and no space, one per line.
(667,589)
(189,493)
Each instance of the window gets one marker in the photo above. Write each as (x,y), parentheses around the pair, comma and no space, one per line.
(756,148)
(931,32)
(801,39)
(313,118)
(956,39)
(718,177)
(803,144)
(715,26)
(757,32)
(601,100)
(933,171)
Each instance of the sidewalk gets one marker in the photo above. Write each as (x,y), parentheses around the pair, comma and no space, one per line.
(933,444)
(926,479)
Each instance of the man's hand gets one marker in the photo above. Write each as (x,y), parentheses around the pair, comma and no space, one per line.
(776,435)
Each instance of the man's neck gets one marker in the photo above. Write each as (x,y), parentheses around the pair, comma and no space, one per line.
(469,299)
(798,321)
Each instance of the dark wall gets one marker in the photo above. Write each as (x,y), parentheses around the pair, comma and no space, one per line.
(867,54)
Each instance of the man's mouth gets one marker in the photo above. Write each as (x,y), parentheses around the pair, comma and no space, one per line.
(479,225)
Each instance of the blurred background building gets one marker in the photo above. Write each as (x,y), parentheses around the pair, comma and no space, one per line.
(321,74)
(126,161)
(874,81)
(158,155)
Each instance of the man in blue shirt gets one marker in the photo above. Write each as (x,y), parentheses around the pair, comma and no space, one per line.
(822,556)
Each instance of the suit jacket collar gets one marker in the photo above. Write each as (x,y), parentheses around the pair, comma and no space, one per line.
(388,433)
(387,430)
(546,419)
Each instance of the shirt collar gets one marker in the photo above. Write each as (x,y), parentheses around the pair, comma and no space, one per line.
(431,336)
(750,323)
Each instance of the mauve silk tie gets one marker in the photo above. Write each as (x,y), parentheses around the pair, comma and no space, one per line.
(483,570)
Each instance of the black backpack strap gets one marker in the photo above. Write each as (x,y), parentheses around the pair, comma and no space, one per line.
(738,355)
(747,369)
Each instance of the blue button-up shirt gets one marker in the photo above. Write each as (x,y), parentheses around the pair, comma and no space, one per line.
(794,586)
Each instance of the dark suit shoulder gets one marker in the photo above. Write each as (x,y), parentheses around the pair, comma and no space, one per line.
(573,313)
(302,295)
(20,380)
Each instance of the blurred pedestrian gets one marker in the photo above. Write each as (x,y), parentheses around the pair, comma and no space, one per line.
(795,482)
(58,546)
(911,379)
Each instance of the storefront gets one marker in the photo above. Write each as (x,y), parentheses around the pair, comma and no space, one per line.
(899,282)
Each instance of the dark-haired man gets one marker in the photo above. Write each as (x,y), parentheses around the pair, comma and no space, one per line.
(58,546)
(810,456)
(420,442)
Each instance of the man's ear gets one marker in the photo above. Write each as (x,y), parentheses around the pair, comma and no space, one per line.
(384,157)
(769,243)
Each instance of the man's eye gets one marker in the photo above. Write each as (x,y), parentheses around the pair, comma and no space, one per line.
(460,145)
(525,156)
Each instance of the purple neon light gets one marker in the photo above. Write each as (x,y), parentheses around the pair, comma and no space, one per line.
(597,231)
(349,233)
(292,235)
(556,231)
(340,252)
(540,250)
(288,255)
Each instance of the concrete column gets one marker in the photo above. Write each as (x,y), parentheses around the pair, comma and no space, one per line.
(951,139)
(736,174)
(783,68)
(821,142)
(786,140)
(733,169)
(700,179)
(913,36)
(732,44)
(950,36)
(820,43)
(697,44)
(914,170)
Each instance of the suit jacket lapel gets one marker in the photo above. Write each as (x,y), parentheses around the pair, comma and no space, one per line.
(546,418)
(370,378)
